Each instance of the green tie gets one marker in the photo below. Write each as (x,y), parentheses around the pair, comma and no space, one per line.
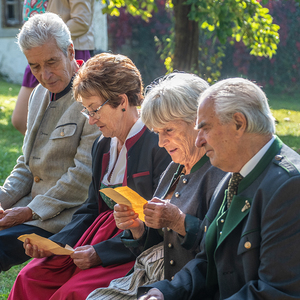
(233,187)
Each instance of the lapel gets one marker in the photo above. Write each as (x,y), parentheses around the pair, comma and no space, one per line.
(235,214)
(129,144)
(35,116)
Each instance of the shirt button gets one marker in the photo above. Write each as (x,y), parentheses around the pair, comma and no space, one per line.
(247,245)
(172,262)
(184,180)
(36,179)
(62,133)
(169,229)
(177,194)
(170,245)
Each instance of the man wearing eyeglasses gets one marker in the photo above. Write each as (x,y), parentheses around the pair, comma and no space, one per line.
(51,179)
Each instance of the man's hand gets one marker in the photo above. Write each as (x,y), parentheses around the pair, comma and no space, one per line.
(159,214)
(34,251)
(14,216)
(86,257)
(153,294)
(126,218)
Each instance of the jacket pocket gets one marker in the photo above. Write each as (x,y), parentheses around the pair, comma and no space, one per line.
(249,241)
(63,131)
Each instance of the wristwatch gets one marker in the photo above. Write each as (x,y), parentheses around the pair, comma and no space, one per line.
(35,216)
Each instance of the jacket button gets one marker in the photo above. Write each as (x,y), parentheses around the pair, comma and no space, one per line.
(220,232)
(170,245)
(177,195)
(172,262)
(36,179)
(222,221)
(172,277)
(62,133)
(278,157)
(184,180)
(247,245)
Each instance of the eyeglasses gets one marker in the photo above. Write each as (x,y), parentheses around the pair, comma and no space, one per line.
(94,113)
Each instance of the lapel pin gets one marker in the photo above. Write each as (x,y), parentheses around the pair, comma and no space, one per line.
(246,206)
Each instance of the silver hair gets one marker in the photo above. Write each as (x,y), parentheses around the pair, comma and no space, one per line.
(174,97)
(40,28)
(241,95)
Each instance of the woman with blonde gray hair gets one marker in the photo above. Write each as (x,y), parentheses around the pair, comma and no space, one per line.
(110,89)
(172,230)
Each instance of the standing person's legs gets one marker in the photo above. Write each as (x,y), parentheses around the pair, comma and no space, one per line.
(19,115)
(82,54)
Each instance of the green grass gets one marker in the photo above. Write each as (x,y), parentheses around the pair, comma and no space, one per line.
(286,110)
(11,142)
(10,149)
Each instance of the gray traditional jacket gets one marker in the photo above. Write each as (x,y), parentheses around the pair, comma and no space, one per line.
(53,174)
(192,195)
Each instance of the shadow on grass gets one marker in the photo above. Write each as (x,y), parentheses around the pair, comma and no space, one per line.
(291,141)
(7,280)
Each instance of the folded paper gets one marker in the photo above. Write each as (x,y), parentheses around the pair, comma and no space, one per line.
(127,196)
(46,244)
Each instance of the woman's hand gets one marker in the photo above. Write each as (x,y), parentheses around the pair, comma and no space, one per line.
(126,218)
(153,294)
(85,257)
(159,214)
(35,252)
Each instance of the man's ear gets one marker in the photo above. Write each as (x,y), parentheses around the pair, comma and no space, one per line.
(240,122)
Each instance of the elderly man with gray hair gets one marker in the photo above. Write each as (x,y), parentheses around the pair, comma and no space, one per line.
(51,179)
(250,250)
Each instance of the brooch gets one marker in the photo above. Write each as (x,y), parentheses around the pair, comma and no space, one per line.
(246,206)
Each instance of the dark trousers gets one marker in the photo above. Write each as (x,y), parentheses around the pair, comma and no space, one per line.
(11,249)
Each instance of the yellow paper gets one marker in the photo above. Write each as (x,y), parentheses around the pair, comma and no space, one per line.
(46,244)
(127,196)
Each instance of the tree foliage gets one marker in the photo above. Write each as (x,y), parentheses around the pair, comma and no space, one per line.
(243,20)
(240,20)
(282,72)
(143,8)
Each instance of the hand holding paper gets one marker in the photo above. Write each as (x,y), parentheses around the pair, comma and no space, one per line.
(127,196)
(46,244)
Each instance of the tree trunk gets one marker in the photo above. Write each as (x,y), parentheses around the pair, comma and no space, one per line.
(186,39)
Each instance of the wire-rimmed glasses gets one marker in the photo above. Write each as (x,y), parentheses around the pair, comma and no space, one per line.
(93,113)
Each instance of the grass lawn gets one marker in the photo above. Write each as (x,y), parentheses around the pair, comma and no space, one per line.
(286,110)
(10,149)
